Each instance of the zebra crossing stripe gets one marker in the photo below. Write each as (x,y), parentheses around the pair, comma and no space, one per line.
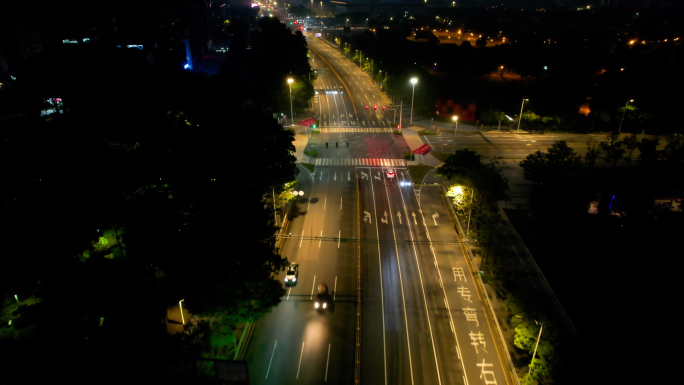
(373,162)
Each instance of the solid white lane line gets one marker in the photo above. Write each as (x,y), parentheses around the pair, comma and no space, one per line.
(271,361)
(300,360)
(326,364)
(313,286)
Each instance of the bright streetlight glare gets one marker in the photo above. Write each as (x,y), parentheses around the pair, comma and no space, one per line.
(289,83)
(521,111)
(413,81)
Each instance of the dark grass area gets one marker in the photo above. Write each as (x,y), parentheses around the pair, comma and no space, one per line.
(614,279)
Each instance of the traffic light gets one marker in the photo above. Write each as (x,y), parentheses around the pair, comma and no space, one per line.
(314,126)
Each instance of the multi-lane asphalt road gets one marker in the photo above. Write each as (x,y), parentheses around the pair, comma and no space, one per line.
(423,320)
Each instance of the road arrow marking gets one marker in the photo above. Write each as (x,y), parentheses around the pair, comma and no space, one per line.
(414,218)
(434,218)
(364,175)
(399,216)
(335,177)
(378,176)
(348,176)
(384,218)
(367,217)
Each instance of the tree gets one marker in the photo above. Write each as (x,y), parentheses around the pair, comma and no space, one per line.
(673,153)
(483,185)
(648,153)
(492,116)
(590,156)
(426,36)
(481,42)
(613,149)
(631,142)
(553,168)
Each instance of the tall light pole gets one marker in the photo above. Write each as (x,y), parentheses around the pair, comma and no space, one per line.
(535,348)
(623,114)
(347,22)
(180,305)
(455,118)
(366,23)
(289,83)
(521,110)
(321,8)
(413,81)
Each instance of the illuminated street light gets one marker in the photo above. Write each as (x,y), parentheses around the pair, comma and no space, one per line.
(413,81)
(521,110)
(180,305)
(289,83)
(623,113)
(455,119)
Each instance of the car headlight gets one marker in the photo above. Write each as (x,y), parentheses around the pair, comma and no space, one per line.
(316,305)
(325,305)
(294,279)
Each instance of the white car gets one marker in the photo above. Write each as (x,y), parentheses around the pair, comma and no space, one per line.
(390,174)
(291,274)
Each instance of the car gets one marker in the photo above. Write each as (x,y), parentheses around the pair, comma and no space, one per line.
(322,299)
(375,107)
(390,174)
(291,274)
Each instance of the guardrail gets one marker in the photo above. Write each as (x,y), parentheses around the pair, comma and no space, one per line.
(244,341)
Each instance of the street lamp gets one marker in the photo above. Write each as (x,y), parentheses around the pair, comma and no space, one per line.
(347,22)
(366,23)
(623,114)
(535,347)
(321,8)
(521,110)
(455,118)
(180,305)
(289,83)
(413,81)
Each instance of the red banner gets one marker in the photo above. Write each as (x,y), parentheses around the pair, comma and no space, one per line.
(307,122)
(422,150)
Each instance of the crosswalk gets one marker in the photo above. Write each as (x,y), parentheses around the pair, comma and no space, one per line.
(360,162)
(356,129)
